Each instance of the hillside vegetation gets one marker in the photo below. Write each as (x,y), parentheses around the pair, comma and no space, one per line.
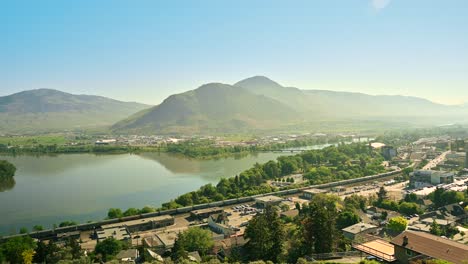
(47,110)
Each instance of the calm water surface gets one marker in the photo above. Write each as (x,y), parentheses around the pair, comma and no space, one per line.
(82,187)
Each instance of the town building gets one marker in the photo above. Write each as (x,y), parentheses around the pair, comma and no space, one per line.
(205,213)
(225,247)
(412,246)
(359,229)
(310,193)
(68,235)
(118,233)
(219,223)
(106,141)
(264,201)
(424,178)
(129,255)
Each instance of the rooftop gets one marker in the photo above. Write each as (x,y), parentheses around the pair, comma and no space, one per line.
(378,248)
(314,191)
(433,246)
(377,145)
(127,254)
(119,233)
(269,199)
(207,210)
(167,238)
(358,228)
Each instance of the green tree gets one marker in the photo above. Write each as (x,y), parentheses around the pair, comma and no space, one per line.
(381,195)
(197,239)
(108,248)
(384,215)
(23,230)
(271,169)
(67,223)
(147,209)
(130,212)
(38,228)
(346,219)
(178,251)
(266,236)
(7,170)
(355,202)
(114,213)
(435,229)
(12,250)
(397,224)
(75,248)
(409,208)
(319,226)
(41,252)
(411,198)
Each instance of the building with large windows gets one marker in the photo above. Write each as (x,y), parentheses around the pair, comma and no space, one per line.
(424,178)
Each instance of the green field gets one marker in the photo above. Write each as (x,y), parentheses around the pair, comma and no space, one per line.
(34,140)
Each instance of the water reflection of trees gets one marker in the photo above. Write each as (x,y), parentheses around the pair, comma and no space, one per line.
(6,183)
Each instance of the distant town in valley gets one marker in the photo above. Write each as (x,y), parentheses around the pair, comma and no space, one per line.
(216,132)
(408,195)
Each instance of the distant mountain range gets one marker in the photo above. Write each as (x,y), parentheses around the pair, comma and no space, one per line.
(259,103)
(213,107)
(46,110)
(253,104)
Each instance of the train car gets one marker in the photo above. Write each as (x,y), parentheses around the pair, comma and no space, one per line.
(230,201)
(244,199)
(200,206)
(129,218)
(216,204)
(169,212)
(253,197)
(293,191)
(184,209)
(279,193)
(152,214)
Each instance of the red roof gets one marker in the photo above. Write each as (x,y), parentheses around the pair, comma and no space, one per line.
(433,246)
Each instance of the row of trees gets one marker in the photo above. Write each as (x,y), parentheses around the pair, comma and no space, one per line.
(63,149)
(334,160)
(117,213)
(441,197)
(26,250)
(333,163)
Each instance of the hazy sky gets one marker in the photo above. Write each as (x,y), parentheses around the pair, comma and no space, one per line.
(146,50)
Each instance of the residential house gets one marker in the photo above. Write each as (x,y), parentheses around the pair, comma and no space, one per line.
(414,245)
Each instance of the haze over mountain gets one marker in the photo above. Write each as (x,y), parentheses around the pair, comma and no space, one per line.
(346,104)
(213,107)
(258,103)
(46,110)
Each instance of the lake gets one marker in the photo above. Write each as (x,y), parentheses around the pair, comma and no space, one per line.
(82,187)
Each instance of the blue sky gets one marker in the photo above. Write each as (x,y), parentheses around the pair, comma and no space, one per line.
(146,50)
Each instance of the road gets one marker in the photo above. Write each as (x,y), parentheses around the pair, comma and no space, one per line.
(433,163)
